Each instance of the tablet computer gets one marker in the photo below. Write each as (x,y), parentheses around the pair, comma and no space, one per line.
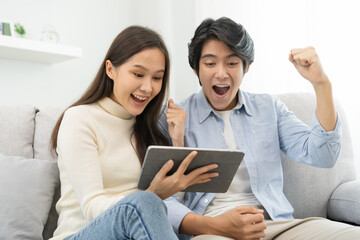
(228,162)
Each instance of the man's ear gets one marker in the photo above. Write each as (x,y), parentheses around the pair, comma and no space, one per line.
(109,69)
(247,68)
(197,76)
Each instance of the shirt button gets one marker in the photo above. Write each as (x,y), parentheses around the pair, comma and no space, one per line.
(206,200)
(238,111)
(212,117)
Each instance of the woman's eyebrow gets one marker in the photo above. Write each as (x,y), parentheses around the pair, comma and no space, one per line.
(145,69)
(208,55)
(141,67)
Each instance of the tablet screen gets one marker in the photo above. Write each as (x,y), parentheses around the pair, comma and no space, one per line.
(228,162)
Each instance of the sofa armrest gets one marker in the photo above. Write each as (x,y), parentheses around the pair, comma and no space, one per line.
(344,203)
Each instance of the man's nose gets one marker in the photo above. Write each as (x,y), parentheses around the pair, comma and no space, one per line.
(221,72)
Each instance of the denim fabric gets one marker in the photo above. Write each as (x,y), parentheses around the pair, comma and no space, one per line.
(141,216)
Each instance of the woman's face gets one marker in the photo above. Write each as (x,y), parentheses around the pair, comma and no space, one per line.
(138,80)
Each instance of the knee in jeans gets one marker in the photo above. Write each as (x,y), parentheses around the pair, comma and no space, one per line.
(148,197)
(144,199)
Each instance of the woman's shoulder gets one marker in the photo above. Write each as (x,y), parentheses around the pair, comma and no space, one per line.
(80,112)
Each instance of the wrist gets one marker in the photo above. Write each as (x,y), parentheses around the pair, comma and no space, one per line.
(194,224)
(322,82)
(215,226)
(178,143)
(323,89)
(150,190)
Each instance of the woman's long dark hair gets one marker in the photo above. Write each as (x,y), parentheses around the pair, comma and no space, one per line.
(129,42)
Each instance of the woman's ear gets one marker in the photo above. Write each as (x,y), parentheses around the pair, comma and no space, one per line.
(109,69)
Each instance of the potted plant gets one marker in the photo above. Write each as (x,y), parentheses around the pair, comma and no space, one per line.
(20,30)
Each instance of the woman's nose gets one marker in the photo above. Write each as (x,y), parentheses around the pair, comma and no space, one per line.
(146,85)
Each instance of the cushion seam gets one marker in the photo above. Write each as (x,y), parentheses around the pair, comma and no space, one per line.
(340,199)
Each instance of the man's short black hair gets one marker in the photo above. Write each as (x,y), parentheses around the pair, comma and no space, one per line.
(226,30)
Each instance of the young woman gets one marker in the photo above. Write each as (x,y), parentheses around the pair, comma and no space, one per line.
(101,142)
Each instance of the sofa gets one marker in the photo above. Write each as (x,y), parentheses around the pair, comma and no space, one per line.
(30,187)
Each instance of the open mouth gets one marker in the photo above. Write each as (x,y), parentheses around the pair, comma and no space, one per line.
(221,89)
(138,98)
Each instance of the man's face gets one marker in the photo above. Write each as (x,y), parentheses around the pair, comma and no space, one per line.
(220,73)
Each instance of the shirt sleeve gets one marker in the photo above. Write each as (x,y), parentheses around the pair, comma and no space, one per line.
(80,163)
(176,213)
(311,145)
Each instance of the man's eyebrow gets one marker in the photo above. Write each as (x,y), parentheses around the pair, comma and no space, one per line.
(213,56)
(145,69)
(232,55)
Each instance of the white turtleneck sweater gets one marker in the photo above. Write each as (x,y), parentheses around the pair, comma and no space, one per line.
(97,162)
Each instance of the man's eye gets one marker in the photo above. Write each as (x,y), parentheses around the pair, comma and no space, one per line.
(232,64)
(139,75)
(210,64)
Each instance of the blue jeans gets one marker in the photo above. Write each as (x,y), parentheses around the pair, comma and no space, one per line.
(141,215)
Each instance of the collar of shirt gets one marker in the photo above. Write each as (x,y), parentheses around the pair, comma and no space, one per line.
(205,109)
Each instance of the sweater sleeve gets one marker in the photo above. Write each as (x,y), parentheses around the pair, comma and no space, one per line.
(79,161)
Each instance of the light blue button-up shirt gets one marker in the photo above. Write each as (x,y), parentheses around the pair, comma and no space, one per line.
(263,126)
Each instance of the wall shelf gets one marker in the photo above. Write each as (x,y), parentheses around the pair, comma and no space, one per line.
(36,51)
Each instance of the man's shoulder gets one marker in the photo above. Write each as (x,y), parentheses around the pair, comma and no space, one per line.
(253,99)
(258,96)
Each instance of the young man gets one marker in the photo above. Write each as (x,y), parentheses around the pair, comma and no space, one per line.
(223,116)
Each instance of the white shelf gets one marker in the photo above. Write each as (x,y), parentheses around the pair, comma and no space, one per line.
(36,51)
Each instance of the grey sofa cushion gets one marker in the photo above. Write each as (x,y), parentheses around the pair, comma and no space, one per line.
(51,223)
(46,118)
(45,121)
(344,204)
(17,130)
(308,188)
(26,192)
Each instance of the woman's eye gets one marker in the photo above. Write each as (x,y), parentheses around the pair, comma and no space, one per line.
(139,75)
(157,78)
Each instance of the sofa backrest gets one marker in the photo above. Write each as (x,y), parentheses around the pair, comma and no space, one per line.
(17,124)
(308,188)
(45,121)
(25,131)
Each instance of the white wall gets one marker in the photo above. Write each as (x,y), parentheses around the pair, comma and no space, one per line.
(92,28)
(279,25)
(91,25)
(20,81)
(276,26)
